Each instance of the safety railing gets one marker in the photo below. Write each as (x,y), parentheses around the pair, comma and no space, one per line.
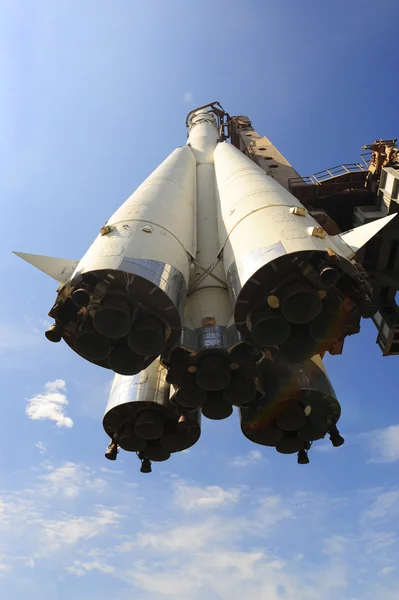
(321,176)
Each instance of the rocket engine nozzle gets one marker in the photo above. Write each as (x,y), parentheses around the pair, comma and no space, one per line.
(298,407)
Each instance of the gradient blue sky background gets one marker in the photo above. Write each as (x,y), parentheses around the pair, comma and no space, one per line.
(93,96)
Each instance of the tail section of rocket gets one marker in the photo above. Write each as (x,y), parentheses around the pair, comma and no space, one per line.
(125,300)
(296,407)
(141,416)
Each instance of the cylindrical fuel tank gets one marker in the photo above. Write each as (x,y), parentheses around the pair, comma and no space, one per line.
(298,405)
(139,411)
(141,416)
(138,267)
(279,263)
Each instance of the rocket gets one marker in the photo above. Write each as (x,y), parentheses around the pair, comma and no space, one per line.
(211,287)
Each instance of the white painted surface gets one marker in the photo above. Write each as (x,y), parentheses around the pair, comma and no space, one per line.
(255,213)
(156,222)
(358,237)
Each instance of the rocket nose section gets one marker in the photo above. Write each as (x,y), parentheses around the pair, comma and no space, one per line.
(60,269)
(356,238)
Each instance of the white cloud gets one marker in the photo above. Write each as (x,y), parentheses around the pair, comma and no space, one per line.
(384,444)
(188,97)
(385,505)
(164,584)
(187,537)
(192,497)
(4,568)
(336,544)
(163,551)
(375,542)
(241,562)
(80,568)
(19,510)
(386,570)
(243,461)
(70,531)
(223,573)
(229,574)
(70,480)
(50,404)
(273,510)
(42,447)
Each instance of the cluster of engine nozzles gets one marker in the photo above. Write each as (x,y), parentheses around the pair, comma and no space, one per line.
(298,406)
(214,383)
(121,336)
(291,425)
(281,405)
(300,323)
(154,435)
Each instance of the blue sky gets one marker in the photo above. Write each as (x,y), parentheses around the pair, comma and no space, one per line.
(93,96)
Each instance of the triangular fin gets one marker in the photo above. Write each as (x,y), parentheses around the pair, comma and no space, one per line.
(60,269)
(359,236)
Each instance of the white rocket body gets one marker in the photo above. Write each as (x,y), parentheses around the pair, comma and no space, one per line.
(259,219)
(208,270)
(282,268)
(140,417)
(151,238)
(156,223)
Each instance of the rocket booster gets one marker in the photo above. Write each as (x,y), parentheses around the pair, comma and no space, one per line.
(209,280)
(141,417)
(291,284)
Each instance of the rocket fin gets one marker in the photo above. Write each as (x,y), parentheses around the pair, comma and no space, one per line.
(60,269)
(359,236)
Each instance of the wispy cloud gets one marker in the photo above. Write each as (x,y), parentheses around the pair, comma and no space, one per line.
(70,479)
(336,545)
(4,568)
(381,445)
(384,444)
(50,404)
(248,459)
(386,504)
(228,541)
(193,497)
(70,531)
(80,568)
(386,570)
(188,97)
(185,537)
(273,510)
(376,542)
(42,447)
